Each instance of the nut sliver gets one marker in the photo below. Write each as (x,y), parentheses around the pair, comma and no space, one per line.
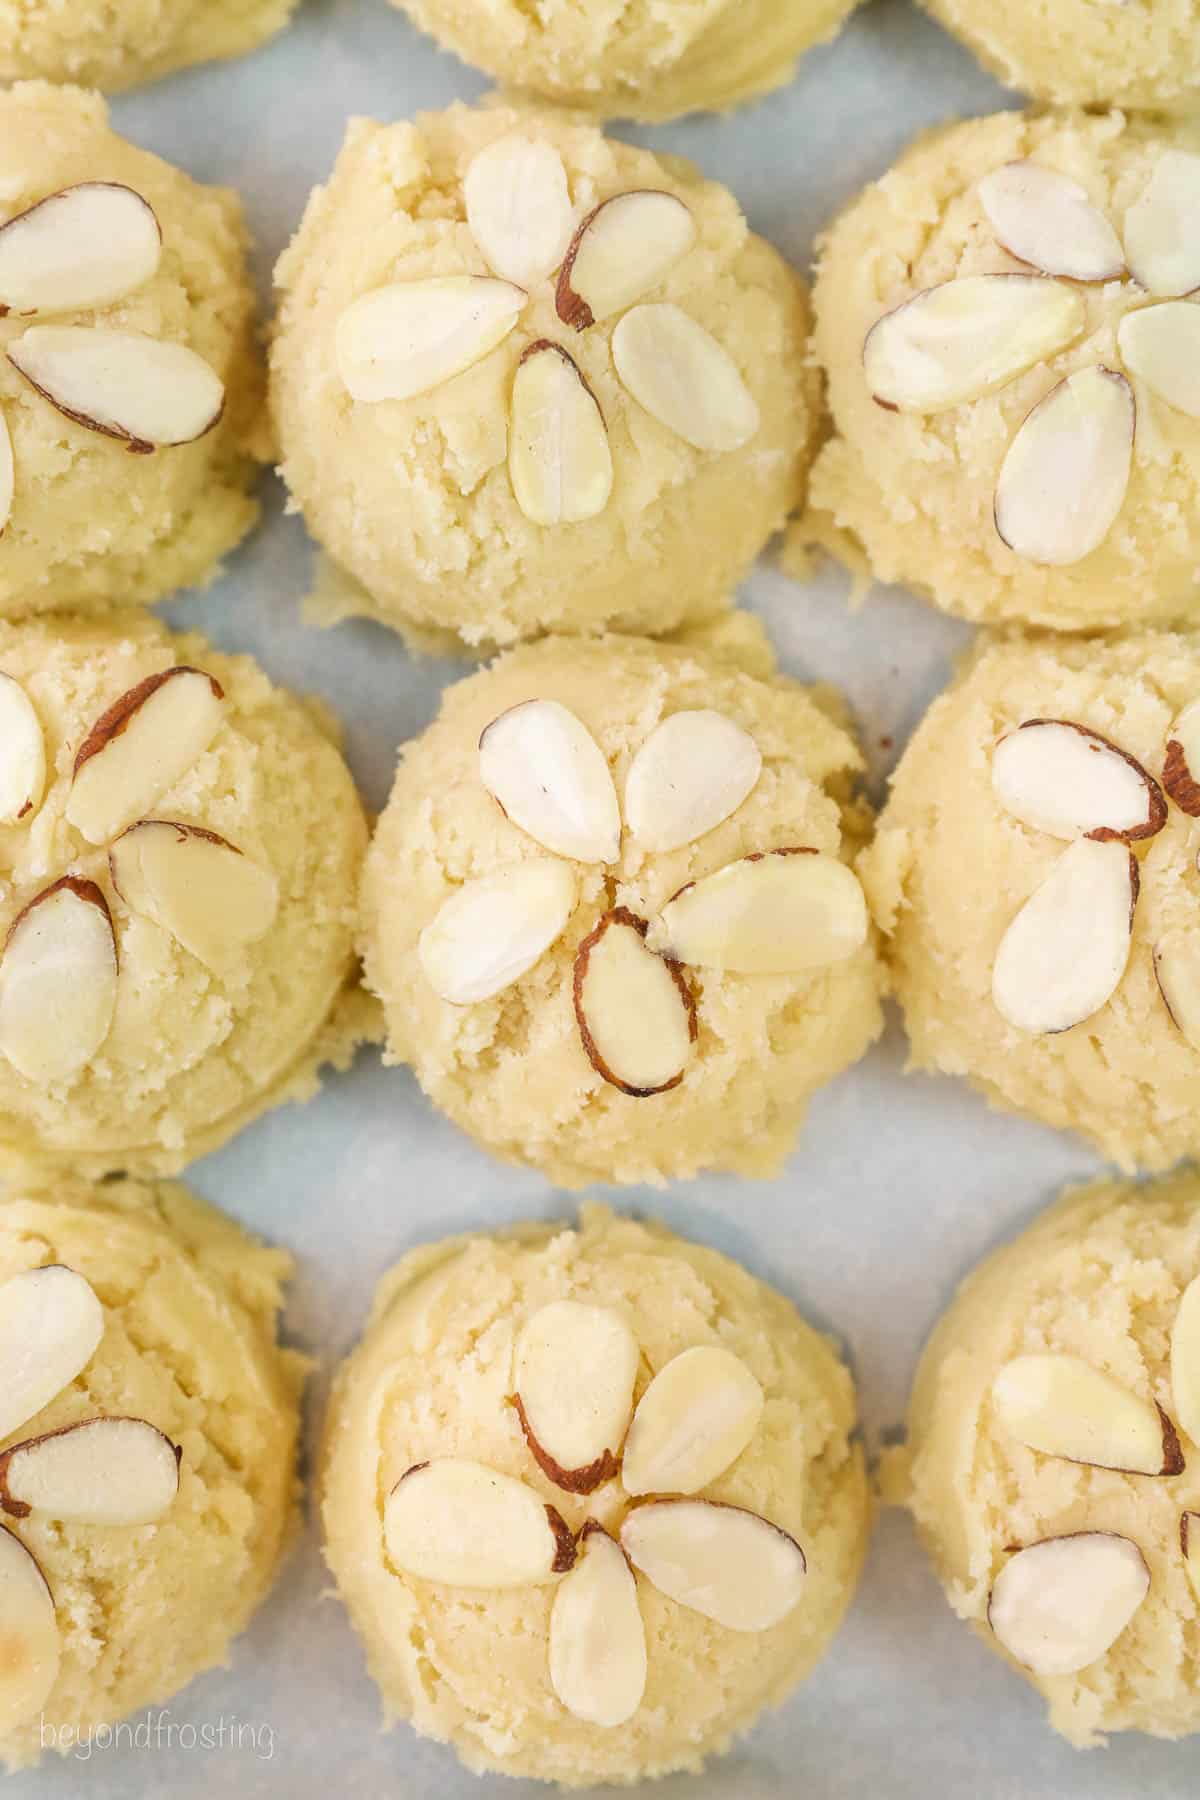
(777,913)
(194,884)
(1045,219)
(123,384)
(493,930)
(1064,953)
(1062,1406)
(58,982)
(1160,345)
(691,774)
(50,1325)
(404,339)
(1058,1605)
(620,251)
(548,774)
(1162,228)
(518,207)
(144,743)
(730,1565)
(22,753)
(1064,478)
(597,1652)
(559,461)
(694,1420)
(106,1471)
(29,1666)
(457,1521)
(1059,777)
(635,1011)
(84,247)
(573,1373)
(684,378)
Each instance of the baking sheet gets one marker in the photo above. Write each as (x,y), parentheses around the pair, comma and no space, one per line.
(898,1185)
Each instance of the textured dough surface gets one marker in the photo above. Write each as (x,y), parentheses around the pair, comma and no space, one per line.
(192,1055)
(512,1071)
(189,1345)
(949,869)
(114,44)
(413,497)
(431,1378)
(91,525)
(917,491)
(1098,1276)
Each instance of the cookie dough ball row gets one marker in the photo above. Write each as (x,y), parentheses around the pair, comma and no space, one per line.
(129,41)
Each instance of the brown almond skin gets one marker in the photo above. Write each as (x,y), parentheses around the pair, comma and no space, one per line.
(1173,1462)
(82,889)
(1178,781)
(114,719)
(573,1481)
(20,1509)
(564,1540)
(1156,801)
(621,915)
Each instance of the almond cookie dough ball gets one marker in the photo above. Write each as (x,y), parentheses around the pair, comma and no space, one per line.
(617,1455)
(1053,1457)
(609,912)
(130,393)
(1035,873)
(128,41)
(527,379)
(180,845)
(1011,337)
(148,1433)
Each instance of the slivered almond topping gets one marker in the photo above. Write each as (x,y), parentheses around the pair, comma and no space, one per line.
(1045,219)
(559,461)
(404,339)
(623,248)
(107,1471)
(635,1010)
(1189,1545)
(123,384)
(1177,972)
(140,747)
(1064,478)
(492,930)
(730,1565)
(692,1422)
(1185,1361)
(29,1665)
(966,338)
(1065,952)
(692,772)
(1162,228)
(684,378)
(597,1640)
(518,208)
(22,753)
(1160,345)
(778,912)
(457,1521)
(50,1326)
(1062,1406)
(84,247)
(1059,1605)
(1181,767)
(573,1373)
(1059,777)
(58,981)
(202,889)
(546,771)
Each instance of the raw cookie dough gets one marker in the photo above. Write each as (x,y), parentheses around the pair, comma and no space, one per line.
(641,59)
(480,936)
(90,524)
(1093,536)
(433,1378)
(1097,1279)
(234,976)
(415,497)
(184,1308)
(1085,1039)
(128,41)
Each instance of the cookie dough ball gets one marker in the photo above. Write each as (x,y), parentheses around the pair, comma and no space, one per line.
(452,1529)
(128,41)
(609,913)
(128,327)
(477,455)
(652,59)
(148,1450)
(180,843)
(1011,362)
(1054,1455)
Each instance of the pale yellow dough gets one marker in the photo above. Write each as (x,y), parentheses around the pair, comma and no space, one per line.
(123,42)
(1099,1277)
(431,1378)
(92,526)
(512,1071)
(193,1054)
(640,59)
(949,869)
(190,1309)
(917,491)
(413,497)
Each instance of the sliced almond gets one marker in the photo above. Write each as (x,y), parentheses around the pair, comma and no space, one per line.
(966,338)
(58,981)
(731,1565)
(623,248)
(1189,1545)
(1064,478)
(692,772)
(22,753)
(777,912)
(1045,219)
(1162,227)
(492,930)
(84,247)
(1059,777)
(50,1326)
(1161,346)
(1064,954)
(684,378)
(109,1471)
(460,1522)
(518,207)
(559,461)
(1177,972)
(573,1373)
(1181,767)
(202,889)
(597,1640)
(411,336)
(139,747)
(123,384)
(1185,1360)
(692,1422)
(635,1010)
(30,1644)
(1059,1605)
(1062,1406)
(548,774)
